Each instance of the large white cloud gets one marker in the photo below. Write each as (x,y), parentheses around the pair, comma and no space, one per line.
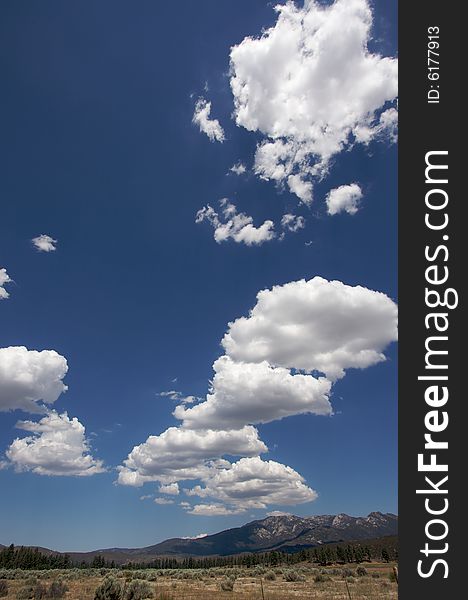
(4,278)
(344,199)
(255,393)
(44,243)
(315,325)
(254,483)
(57,446)
(311,86)
(29,376)
(235,226)
(180,453)
(201,117)
(267,373)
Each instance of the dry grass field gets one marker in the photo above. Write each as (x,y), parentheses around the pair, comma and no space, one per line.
(375,582)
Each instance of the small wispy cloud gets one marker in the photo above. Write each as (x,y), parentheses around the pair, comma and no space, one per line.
(44,243)
(179,397)
(211,127)
(238,168)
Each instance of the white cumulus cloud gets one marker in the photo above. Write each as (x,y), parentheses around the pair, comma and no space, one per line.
(236,226)
(211,127)
(4,278)
(254,483)
(255,393)
(345,198)
(311,86)
(172,489)
(179,453)
(270,370)
(315,325)
(28,377)
(44,243)
(57,446)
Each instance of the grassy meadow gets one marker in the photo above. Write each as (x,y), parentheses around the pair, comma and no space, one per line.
(374,581)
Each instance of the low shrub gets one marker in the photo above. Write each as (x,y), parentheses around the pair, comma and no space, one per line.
(346,573)
(57,589)
(227,585)
(361,571)
(138,590)
(3,588)
(270,576)
(292,575)
(110,589)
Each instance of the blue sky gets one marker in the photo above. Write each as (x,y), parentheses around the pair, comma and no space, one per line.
(99,151)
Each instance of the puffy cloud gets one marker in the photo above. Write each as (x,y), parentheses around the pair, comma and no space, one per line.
(201,117)
(344,199)
(315,325)
(44,243)
(180,453)
(163,501)
(29,376)
(4,278)
(171,489)
(57,446)
(236,226)
(311,86)
(255,393)
(302,188)
(255,483)
(238,168)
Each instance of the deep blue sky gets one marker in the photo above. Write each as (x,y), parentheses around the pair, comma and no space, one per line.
(98,150)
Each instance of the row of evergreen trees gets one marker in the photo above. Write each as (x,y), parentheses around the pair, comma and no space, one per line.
(32,558)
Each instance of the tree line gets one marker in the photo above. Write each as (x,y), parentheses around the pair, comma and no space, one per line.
(327,554)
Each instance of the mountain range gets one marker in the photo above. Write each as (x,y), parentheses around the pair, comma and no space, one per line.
(279,532)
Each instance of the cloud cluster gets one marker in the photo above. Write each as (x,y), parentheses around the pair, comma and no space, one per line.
(235,226)
(211,127)
(292,222)
(57,446)
(28,377)
(44,243)
(311,86)
(345,198)
(280,360)
(4,278)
